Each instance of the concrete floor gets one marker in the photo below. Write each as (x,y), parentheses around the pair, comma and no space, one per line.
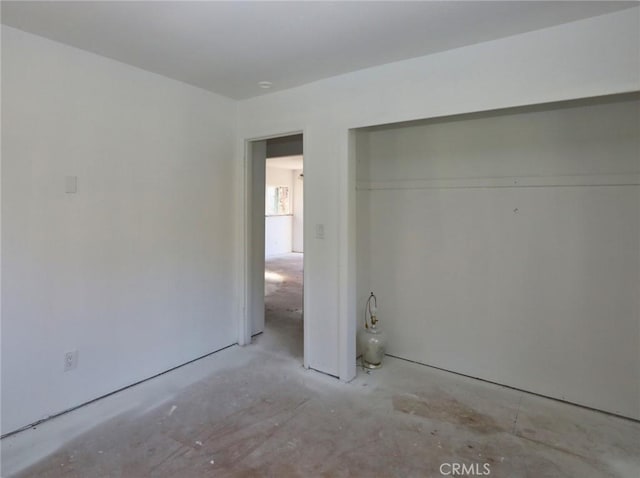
(254,411)
(283,306)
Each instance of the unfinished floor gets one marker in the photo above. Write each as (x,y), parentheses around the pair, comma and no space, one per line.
(254,411)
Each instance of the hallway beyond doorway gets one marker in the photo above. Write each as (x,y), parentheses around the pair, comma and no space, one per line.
(283,332)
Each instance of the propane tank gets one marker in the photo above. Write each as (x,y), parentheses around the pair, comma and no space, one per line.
(372,339)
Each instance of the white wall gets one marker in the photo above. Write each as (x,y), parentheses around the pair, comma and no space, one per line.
(591,57)
(279,229)
(136,270)
(297,244)
(506,247)
(278,234)
(279,177)
(140,260)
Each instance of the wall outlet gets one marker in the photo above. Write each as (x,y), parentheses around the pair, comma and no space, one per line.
(70,360)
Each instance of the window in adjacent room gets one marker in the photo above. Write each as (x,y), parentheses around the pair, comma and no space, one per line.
(277,201)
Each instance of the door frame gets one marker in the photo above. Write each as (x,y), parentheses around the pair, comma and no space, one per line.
(251,261)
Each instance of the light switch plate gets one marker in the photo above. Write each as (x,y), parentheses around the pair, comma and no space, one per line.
(319,231)
(70,360)
(71,184)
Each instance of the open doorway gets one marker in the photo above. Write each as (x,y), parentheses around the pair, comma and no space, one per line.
(275,189)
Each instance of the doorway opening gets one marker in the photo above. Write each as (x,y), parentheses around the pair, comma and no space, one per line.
(275,189)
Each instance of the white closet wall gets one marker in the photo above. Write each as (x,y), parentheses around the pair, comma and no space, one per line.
(506,246)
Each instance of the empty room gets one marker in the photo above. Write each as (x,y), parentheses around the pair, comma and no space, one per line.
(320,239)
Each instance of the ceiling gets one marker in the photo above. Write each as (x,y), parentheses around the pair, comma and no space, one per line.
(228,47)
(286,162)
